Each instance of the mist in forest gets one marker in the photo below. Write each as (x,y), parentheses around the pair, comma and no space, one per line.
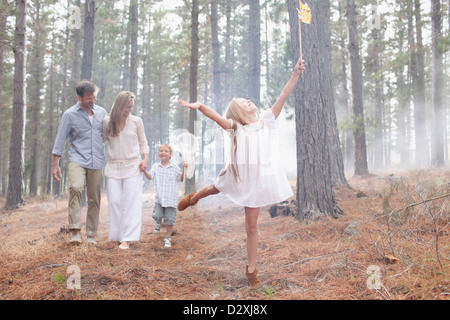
(151,55)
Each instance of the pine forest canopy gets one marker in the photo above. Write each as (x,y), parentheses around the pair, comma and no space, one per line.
(389,75)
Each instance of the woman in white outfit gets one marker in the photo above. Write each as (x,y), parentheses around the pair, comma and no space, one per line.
(127,155)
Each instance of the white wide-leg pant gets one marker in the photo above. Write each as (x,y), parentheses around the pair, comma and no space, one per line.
(125,208)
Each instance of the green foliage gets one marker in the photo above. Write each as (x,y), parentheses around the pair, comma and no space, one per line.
(59,279)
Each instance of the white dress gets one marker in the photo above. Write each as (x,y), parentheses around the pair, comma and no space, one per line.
(262,180)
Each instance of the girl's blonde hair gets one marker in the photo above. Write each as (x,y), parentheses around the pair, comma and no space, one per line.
(235,113)
(122,101)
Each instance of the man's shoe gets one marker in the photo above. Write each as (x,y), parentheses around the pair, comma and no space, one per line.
(157,228)
(91,240)
(76,238)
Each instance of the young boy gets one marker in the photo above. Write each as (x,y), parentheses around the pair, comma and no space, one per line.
(166,176)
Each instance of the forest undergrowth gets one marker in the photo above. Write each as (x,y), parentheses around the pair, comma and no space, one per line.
(393,243)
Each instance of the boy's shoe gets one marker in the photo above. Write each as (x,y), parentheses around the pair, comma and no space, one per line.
(157,228)
(167,242)
(252,277)
(186,202)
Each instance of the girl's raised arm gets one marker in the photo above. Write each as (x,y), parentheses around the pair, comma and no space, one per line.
(207,111)
(290,85)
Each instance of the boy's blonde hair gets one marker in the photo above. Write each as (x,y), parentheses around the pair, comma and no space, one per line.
(168,146)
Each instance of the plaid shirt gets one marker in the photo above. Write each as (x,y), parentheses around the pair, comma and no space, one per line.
(87,148)
(167,182)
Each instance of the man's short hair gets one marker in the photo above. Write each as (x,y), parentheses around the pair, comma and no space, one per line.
(86,86)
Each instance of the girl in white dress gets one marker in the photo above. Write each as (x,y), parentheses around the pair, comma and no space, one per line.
(127,154)
(253,176)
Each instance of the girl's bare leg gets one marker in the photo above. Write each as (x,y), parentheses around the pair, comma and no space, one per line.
(251,227)
(204,192)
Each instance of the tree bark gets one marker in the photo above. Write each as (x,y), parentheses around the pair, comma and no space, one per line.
(437,81)
(217,77)
(126,61)
(346,133)
(3,155)
(37,105)
(377,72)
(313,100)
(51,89)
(88,44)
(402,113)
(359,131)
(228,67)
(134,52)
(422,156)
(14,198)
(254,71)
(76,67)
(190,183)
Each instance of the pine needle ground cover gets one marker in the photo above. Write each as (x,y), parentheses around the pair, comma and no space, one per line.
(392,243)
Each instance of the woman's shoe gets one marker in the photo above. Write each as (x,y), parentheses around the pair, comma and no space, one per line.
(124,247)
(252,277)
(186,202)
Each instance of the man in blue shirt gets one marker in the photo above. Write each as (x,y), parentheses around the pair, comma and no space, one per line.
(82,125)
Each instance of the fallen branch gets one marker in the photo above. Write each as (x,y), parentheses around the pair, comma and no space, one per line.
(422,202)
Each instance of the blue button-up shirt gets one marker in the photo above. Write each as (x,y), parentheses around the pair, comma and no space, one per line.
(87,149)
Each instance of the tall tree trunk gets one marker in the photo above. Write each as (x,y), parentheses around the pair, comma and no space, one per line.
(134,51)
(37,106)
(313,100)
(347,135)
(403,110)
(228,67)
(378,144)
(3,155)
(266,43)
(76,67)
(88,44)
(357,98)
(50,138)
(190,183)
(437,85)
(422,157)
(126,62)
(254,71)
(14,198)
(217,73)
(217,88)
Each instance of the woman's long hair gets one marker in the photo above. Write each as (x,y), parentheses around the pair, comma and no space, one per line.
(122,100)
